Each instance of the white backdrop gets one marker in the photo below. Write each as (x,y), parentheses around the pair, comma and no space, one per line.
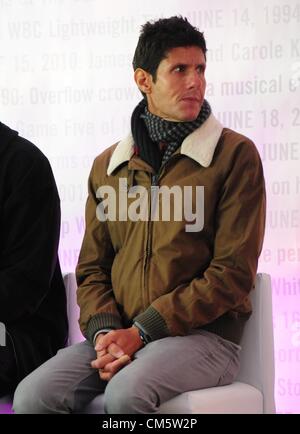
(66,83)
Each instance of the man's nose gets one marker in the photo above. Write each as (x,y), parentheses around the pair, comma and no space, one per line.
(194,79)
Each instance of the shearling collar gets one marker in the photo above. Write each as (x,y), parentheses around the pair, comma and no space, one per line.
(199,145)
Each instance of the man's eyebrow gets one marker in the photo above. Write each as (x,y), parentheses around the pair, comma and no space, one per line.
(203,64)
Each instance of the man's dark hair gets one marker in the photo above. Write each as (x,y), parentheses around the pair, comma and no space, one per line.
(159,37)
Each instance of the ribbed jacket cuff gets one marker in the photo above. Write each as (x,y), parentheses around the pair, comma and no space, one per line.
(153,324)
(102,321)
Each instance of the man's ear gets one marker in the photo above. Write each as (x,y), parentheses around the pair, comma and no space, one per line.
(143,80)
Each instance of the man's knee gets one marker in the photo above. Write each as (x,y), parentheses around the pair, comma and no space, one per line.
(33,396)
(123,396)
(25,398)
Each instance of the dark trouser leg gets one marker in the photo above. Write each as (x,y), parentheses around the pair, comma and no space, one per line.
(8,368)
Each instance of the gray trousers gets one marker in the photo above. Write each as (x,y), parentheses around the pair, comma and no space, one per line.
(159,371)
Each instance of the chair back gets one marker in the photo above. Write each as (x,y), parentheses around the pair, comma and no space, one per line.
(257,356)
(75,334)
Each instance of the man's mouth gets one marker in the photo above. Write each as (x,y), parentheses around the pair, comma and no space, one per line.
(191,99)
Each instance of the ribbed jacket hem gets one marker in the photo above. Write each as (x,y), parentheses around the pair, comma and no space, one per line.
(102,321)
(153,324)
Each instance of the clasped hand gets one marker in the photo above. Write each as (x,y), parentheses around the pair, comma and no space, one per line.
(114,351)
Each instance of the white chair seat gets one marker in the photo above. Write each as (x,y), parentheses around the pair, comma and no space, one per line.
(237,398)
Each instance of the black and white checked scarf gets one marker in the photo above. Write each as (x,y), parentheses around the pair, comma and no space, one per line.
(153,130)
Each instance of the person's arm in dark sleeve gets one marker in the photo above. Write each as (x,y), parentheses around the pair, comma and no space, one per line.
(30,228)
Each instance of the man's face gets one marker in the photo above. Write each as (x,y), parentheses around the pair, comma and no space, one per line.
(178,93)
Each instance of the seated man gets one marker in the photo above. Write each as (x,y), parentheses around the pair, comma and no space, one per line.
(174,228)
(32,296)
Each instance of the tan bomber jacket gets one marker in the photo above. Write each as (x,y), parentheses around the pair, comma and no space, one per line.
(157,273)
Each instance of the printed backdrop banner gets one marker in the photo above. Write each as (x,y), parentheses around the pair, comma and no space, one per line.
(66,83)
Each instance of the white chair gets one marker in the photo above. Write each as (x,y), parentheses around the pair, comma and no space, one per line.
(253,392)
(75,334)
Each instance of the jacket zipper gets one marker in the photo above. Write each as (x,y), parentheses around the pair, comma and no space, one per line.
(154,182)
